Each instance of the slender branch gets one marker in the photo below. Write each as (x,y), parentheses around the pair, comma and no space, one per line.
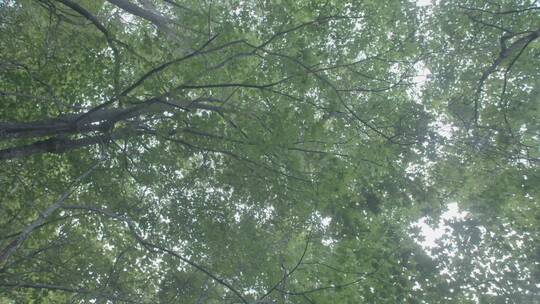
(338,286)
(110,40)
(86,14)
(16,243)
(339,96)
(143,78)
(289,273)
(163,66)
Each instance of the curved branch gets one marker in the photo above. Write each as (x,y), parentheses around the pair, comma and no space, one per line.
(110,40)
(289,273)
(521,43)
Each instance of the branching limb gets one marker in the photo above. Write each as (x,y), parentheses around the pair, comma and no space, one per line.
(519,44)
(17,242)
(289,273)
(110,40)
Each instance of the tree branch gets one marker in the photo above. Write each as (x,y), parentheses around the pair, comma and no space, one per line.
(521,43)
(289,273)
(110,40)
(16,243)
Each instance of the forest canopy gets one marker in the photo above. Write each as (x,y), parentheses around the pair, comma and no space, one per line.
(269,151)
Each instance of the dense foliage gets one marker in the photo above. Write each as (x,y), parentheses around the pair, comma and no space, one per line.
(167,151)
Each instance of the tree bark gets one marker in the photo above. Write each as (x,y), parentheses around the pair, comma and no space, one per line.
(102,120)
(71,123)
(98,120)
(55,145)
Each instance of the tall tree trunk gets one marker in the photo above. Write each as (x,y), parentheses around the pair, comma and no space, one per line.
(102,121)
(55,145)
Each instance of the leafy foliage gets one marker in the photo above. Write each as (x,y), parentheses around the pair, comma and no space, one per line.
(267,151)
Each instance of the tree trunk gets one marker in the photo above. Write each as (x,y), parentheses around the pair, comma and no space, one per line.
(102,121)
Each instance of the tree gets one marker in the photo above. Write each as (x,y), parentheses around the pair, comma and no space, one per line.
(236,152)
